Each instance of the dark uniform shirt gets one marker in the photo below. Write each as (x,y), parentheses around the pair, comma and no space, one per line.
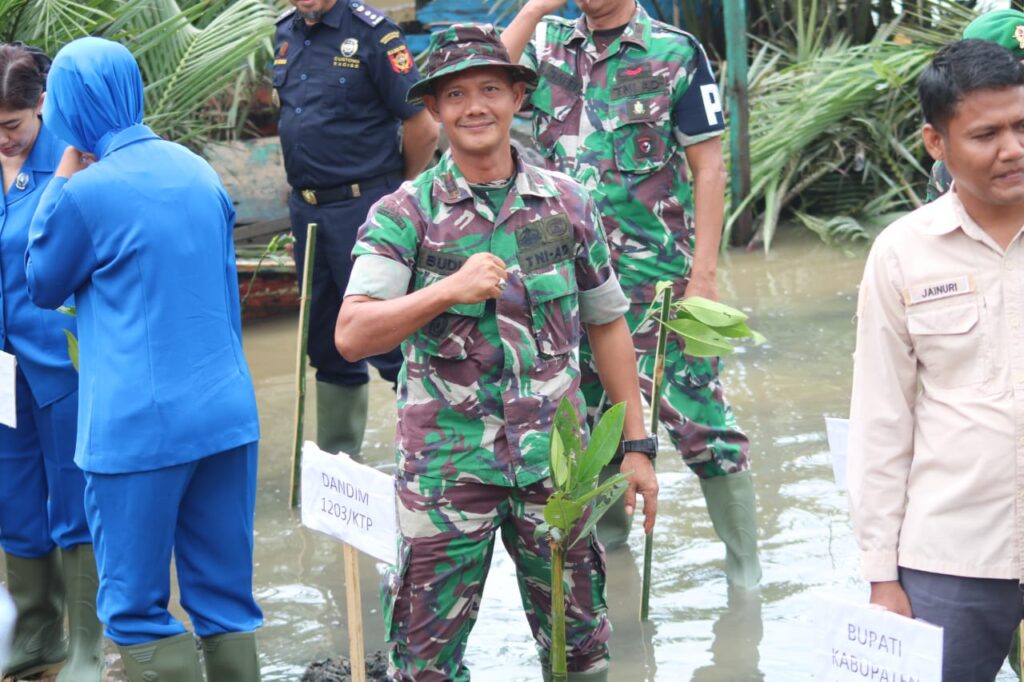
(342,84)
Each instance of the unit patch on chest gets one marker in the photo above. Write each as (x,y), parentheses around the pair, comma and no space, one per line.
(632,81)
(922,293)
(544,242)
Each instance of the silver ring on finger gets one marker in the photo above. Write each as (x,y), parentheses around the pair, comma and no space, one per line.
(501,284)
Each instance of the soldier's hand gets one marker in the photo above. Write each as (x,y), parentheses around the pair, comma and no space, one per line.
(702,284)
(643,481)
(544,7)
(481,277)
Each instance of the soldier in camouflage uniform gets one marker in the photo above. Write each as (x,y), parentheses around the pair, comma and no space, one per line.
(487,268)
(628,106)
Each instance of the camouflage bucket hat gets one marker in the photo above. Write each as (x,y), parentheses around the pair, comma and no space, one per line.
(464,46)
(1003,27)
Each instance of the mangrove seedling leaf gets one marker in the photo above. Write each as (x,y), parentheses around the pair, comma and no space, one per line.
(604,441)
(540,531)
(701,340)
(69,310)
(712,313)
(559,461)
(72,348)
(599,508)
(556,534)
(569,425)
(742,331)
(602,489)
(562,513)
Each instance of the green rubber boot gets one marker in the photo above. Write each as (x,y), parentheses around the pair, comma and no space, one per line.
(37,588)
(733,512)
(341,417)
(613,527)
(231,657)
(85,653)
(171,659)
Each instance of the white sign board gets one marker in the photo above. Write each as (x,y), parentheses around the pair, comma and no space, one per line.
(7,616)
(349,501)
(8,408)
(838,432)
(863,642)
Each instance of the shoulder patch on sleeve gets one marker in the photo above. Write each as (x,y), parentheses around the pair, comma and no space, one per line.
(284,15)
(365,13)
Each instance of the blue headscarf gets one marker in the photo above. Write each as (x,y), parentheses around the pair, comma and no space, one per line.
(93,92)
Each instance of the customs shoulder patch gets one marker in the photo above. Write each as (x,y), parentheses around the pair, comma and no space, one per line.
(401,59)
(389,37)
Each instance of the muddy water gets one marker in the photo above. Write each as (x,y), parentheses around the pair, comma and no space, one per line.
(802,297)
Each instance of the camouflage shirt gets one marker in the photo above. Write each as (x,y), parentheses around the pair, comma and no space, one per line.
(618,121)
(481,382)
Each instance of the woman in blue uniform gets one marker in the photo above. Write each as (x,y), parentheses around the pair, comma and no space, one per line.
(42,513)
(167,425)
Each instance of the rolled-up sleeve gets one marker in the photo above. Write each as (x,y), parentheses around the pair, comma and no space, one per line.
(385,251)
(881,415)
(60,256)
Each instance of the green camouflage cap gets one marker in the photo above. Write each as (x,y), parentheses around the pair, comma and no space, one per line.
(1002,26)
(465,46)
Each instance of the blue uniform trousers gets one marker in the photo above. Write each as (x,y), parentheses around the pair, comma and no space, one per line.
(203,511)
(41,489)
(338,224)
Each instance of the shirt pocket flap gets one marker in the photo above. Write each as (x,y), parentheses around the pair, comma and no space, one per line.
(547,286)
(955,320)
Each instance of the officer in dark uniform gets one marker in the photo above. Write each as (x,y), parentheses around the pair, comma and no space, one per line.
(342,70)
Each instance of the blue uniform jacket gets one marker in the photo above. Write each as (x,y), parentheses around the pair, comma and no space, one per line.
(342,85)
(33,334)
(143,239)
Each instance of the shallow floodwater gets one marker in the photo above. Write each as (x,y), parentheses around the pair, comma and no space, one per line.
(802,297)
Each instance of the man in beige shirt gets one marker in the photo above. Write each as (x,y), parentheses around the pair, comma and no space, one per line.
(937,432)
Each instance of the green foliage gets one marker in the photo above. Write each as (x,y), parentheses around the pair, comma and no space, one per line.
(575,472)
(708,327)
(72,348)
(198,57)
(835,121)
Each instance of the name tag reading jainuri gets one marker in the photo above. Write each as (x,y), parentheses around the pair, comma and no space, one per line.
(933,291)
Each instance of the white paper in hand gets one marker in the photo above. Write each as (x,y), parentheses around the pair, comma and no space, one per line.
(838,432)
(8,408)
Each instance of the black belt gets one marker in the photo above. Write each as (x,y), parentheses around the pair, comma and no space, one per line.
(317,197)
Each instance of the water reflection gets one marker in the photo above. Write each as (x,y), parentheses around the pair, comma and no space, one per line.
(802,297)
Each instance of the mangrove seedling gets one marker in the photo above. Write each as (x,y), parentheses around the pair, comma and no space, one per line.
(575,471)
(708,328)
(71,311)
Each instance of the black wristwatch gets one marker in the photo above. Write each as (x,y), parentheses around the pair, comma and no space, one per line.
(645,446)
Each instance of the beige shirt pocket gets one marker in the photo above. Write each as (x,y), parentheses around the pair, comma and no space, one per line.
(949,342)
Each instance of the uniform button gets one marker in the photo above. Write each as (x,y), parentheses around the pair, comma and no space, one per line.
(302,77)
(298,110)
(341,80)
(306,43)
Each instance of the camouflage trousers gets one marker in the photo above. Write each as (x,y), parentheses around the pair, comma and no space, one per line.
(694,411)
(431,600)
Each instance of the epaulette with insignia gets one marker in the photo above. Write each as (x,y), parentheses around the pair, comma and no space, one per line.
(367,14)
(284,15)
